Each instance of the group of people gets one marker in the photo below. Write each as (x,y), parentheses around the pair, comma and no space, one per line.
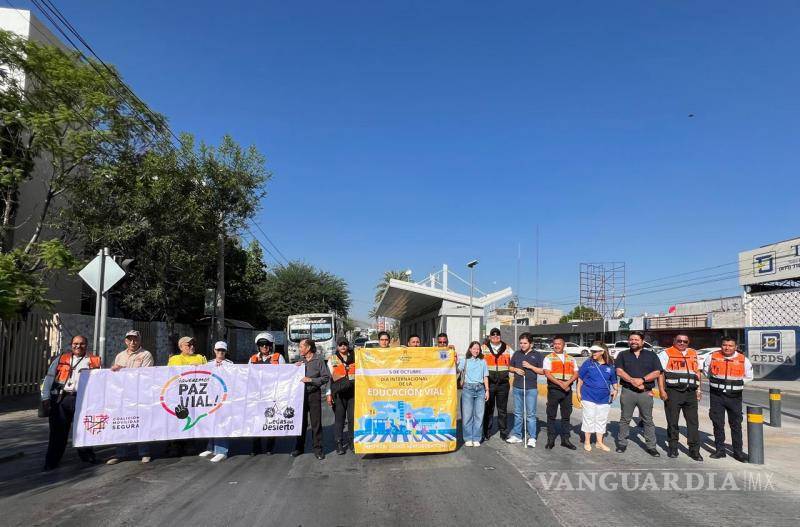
(490,371)
(487,374)
(336,375)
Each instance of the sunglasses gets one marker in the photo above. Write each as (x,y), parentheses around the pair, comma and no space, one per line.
(682,341)
(384,339)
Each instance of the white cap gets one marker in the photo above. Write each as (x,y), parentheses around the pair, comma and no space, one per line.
(264,335)
(221,345)
(596,348)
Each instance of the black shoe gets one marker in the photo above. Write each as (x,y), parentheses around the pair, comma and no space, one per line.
(319,455)
(696,456)
(741,457)
(296,453)
(672,452)
(503,435)
(653,452)
(621,448)
(641,425)
(485,438)
(551,442)
(566,443)
(340,449)
(719,454)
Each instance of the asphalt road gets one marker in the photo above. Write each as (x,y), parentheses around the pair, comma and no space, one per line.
(496,484)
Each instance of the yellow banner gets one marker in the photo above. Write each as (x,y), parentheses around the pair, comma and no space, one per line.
(406,400)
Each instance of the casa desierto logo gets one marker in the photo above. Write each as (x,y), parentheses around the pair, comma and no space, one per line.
(193,395)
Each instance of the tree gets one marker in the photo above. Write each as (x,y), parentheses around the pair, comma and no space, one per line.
(383,285)
(580,313)
(298,288)
(245,278)
(59,117)
(233,179)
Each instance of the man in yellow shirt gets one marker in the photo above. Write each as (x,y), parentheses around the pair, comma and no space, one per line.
(187,356)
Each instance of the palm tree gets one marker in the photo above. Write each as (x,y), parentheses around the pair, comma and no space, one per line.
(383,285)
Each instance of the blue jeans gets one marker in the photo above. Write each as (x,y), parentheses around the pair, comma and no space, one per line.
(218,446)
(530,402)
(473,401)
(124,450)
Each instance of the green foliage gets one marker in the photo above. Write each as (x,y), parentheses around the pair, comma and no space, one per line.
(383,285)
(580,313)
(300,288)
(22,280)
(245,276)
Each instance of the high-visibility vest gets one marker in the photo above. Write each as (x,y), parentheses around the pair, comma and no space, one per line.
(65,366)
(498,364)
(682,371)
(340,370)
(273,359)
(726,375)
(562,370)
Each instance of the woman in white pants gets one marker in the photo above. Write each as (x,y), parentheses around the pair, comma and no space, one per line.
(597,387)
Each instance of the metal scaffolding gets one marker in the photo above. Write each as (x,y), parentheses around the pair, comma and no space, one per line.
(602,288)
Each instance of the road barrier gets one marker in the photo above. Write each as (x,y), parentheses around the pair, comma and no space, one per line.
(775,407)
(755,435)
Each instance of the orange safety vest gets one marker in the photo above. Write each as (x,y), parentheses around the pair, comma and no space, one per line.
(498,364)
(340,370)
(726,375)
(562,370)
(682,372)
(65,366)
(273,359)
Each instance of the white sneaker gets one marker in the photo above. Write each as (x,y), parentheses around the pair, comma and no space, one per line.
(146,459)
(206,453)
(467,443)
(218,458)
(113,461)
(476,443)
(513,440)
(531,442)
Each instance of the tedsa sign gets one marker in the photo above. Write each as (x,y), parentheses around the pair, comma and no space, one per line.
(772,346)
(779,261)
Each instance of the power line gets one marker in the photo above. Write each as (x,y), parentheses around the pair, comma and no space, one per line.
(266,249)
(257,226)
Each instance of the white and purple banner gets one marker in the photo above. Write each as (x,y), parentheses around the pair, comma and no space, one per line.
(184,402)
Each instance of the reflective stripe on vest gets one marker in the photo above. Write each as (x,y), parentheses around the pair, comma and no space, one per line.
(499,363)
(681,371)
(562,370)
(726,375)
(339,369)
(274,358)
(65,366)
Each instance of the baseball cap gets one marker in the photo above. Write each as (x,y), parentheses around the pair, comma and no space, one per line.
(133,333)
(264,336)
(494,331)
(342,341)
(221,345)
(596,348)
(184,340)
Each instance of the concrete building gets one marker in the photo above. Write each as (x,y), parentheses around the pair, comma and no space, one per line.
(524,316)
(431,307)
(64,289)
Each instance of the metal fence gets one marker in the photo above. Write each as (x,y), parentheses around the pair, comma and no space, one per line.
(25,352)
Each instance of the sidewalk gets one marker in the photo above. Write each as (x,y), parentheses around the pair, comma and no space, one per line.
(790,387)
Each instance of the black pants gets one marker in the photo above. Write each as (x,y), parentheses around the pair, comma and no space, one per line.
(61,415)
(256,448)
(343,404)
(676,402)
(732,405)
(312,411)
(558,398)
(498,397)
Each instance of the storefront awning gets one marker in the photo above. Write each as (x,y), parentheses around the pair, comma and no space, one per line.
(403,300)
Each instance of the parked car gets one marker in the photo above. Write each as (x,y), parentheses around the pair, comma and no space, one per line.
(372,344)
(622,345)
(576,349)
(360,342)
(703,354)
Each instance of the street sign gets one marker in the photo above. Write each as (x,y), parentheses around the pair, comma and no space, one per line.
(112,273)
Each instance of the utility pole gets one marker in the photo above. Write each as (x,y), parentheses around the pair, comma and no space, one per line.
(471,266)
(219,326)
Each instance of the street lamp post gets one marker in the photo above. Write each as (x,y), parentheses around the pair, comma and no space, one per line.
(471,266)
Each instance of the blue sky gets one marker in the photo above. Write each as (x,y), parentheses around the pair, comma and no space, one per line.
(410,134)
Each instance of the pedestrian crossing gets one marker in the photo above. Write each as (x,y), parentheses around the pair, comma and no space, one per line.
(404,437)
